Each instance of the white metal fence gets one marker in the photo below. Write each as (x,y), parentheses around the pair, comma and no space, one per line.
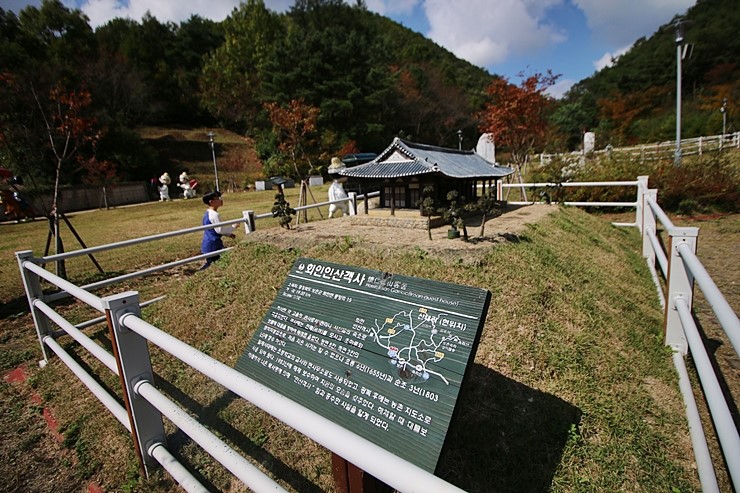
(681,269)
(130,335)
(658,150)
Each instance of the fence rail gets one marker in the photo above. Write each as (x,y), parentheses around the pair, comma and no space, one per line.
(658,150)
(146,405)
(130,361)
(680,268)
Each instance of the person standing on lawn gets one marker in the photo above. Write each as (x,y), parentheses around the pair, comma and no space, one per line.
(212,238)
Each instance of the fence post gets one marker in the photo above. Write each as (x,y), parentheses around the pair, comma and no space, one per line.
(648,224)
(134,365)
(352,203)
(34,292)
(679,284)
(642,186)
(499,191)
(249,224)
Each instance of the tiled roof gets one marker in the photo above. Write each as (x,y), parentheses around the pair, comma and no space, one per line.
(403,158)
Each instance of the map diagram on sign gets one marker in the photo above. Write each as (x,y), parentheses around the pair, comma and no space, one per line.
(413,340)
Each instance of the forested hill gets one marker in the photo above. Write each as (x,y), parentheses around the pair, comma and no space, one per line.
(634,100)
(364,77)
(336,77)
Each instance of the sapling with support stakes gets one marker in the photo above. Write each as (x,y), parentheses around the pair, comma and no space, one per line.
(68,129)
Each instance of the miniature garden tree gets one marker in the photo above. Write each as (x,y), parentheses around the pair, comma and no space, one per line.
(489,207)
(283,211)
(453,214)
(428,207)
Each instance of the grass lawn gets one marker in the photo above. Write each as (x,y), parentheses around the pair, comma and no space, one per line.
(571,390)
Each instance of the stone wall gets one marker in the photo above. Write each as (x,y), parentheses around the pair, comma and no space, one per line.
(89,197)
(395,222)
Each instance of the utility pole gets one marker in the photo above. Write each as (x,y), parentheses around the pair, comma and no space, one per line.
(723,110)
(680,25)
(211,135)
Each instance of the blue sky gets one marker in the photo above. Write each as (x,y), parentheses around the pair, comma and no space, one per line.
(573,38)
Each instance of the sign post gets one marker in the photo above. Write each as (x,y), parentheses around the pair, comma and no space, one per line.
(383,355)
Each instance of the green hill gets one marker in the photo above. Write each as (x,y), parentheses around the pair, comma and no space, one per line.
(634,100)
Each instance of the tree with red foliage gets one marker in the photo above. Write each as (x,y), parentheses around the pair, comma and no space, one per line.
(68,128)
(517,115)
(293,124)
(101,173)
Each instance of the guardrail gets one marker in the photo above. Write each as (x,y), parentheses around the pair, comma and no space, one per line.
(129,335)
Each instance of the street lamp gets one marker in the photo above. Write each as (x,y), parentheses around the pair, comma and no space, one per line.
(680,25)
(211,135)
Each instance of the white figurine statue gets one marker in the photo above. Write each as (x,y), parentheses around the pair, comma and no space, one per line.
(336,190)
(164,190)
(187,185)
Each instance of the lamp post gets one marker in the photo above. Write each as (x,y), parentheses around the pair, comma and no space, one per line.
(680,24)
(211,135)
(459,140)
(723,110)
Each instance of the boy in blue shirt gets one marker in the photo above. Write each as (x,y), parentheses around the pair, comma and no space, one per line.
(212,237)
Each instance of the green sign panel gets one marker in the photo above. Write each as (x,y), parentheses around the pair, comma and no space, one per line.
(383,355)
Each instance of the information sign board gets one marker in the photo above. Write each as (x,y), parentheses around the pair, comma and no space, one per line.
(383,355)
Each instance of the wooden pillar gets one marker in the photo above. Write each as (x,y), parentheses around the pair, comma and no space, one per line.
(348,478)
(393,199)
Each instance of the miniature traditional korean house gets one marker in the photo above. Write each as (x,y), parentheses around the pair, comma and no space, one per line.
(404,169)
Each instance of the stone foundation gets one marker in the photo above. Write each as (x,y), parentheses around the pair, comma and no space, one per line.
(394,221)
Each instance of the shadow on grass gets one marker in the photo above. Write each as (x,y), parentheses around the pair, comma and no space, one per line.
(209,415)
(505,436)
(712,345)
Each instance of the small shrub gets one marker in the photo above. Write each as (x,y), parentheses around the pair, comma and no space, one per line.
(282,210)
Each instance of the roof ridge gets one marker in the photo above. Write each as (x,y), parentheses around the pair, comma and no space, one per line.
(429,147)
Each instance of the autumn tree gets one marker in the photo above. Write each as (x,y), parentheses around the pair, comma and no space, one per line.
(432,109)
(68,129)
(294,125)
(624,110)
(517,115)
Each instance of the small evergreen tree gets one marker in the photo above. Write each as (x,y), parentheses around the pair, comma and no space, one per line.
(489,206)
(428,207)
(453,213)
(283,211)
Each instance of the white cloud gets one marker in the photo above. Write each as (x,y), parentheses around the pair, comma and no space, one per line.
(607,60)
(622,22)
(101,11)
(485,33)
(558,89)
(388,7)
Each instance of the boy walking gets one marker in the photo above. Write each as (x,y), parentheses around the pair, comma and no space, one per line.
(212,237)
